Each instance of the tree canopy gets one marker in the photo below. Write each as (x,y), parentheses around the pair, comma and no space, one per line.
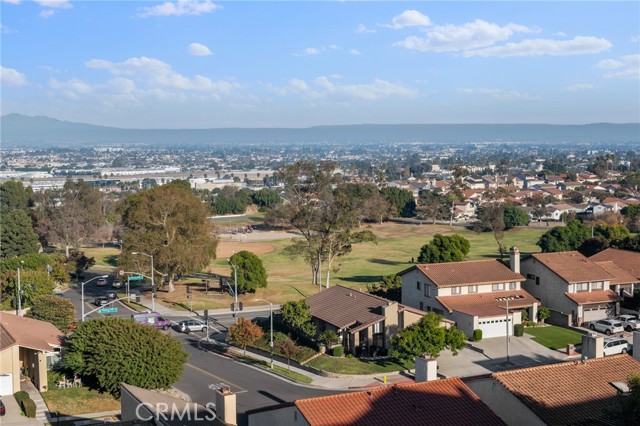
(170,223)
(16,234)
(14,196)
(434,206)
(116,350)
(427,336)
(564,238)
(244,333)
(54,309)
(514,216)
(251,272)
(491,218)
(402,200)
(297,315)
(444,248)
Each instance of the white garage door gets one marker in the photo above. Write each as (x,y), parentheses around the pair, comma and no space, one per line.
(595,313)
(494,327)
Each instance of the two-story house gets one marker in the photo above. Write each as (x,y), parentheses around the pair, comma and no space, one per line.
(573,287)
(471,293)
(626,260)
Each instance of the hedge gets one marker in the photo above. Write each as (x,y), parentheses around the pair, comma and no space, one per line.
(477,335)
(518,330)
(29,408)
(20,396)
(338,350)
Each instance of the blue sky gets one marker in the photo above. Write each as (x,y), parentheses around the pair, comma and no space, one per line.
(189,64)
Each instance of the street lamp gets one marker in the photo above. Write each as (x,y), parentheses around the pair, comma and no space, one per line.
(19,297)
(235,291)
(82,291)
(271,323)
(153,287)
(506,299)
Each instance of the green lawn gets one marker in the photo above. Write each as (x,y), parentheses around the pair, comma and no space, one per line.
(554,337)
(79,400)
(355,366)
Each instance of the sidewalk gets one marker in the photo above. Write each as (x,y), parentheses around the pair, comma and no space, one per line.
(346,382)
(34,394)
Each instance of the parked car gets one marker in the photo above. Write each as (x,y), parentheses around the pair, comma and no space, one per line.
(188,326)
(2,409)
(608,326)
(152,318)
(629,322)
(101,282)
(101,301)
(111,295)
(616,345)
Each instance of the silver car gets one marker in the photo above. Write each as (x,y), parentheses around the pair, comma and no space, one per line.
(188,326)
(629,322)
(608,326)
(616,345)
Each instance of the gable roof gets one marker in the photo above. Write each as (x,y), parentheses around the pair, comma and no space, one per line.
(344,307)
(621,276)
(599,296)
(440,402)
(485,304)
(468,272)
(569,393)
(625,259)
(572,266)
(28,333)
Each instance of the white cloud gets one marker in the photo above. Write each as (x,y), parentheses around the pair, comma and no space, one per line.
(158,74)
(60,4)
(355,52)
(197,49)
(626,67)
(409,18)
(5,30)
(298,85)
(72,87)
(11,1)
(47,13)
(179,8)
(580,45)
(11,77)
(326,87)
(454,38)
(498,94)
(580,87)
(362,29)
(311,51)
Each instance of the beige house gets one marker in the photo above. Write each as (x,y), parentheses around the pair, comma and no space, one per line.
(361,320)
(29,346)
(471,293)
(573,287)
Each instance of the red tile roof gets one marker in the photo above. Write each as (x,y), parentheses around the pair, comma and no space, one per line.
(625,259)
(442,402)
(468,273)
(600,296)
(570,393)
(28,333)
(485,304)
(572,267)
(621,276)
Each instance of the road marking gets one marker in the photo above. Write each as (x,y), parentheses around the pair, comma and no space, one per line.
(216,377)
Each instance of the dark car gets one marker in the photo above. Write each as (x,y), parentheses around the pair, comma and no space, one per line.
(101,282)
(101,301)
(111,295)
(2,409)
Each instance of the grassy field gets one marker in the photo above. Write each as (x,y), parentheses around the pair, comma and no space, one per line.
(355,366)
(554,337)
(107,256)
(79,400)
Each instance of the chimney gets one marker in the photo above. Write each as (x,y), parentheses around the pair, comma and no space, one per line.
(636,345)
(514,259)
(226,405)
(592,346)
(426,368)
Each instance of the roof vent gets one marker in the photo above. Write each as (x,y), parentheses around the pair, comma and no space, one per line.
(621,387)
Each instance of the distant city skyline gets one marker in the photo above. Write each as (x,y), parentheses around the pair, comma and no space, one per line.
(205,64)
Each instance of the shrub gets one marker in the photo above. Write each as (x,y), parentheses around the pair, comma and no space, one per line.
(518,330)
(20,396)
(338,350)
(477,335)
(350,356)
(29,408)
(530,324)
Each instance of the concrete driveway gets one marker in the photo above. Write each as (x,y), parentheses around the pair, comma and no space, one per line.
(14,416)
(523,352)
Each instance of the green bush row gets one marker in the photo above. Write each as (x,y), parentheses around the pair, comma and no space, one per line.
(20,396)
(29,408)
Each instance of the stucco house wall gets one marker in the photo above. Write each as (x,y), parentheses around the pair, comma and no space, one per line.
(10,364)
(551,288)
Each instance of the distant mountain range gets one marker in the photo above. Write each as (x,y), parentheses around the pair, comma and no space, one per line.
(19,130)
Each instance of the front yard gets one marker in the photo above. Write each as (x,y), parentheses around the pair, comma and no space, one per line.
(553,337)
(343,365)
(79,400)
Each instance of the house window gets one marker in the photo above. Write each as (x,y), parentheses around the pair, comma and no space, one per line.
(427,290)
(377,328)
(537,280)
(512,286)
(418,285)
(582,287)
(497,287)
(597,286)
(472,289)
(422,306)
(531,277)
(455,290)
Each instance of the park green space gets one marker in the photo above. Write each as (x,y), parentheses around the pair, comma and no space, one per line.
(554,337)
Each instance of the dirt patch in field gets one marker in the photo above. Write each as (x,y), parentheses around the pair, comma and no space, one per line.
(227,248)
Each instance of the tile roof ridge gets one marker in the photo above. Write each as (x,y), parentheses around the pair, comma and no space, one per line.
(366,293)
(461,261)
(561,364)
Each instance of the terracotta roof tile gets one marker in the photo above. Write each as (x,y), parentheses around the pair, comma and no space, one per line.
(344,307)
(573,267)
(29,333)
(621,276)
(442,402)
(569,393)
(485,304)
(601,296)
(625,259)
(468,273)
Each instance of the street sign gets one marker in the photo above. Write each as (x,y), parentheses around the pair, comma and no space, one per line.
(108,310)
(136,278)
